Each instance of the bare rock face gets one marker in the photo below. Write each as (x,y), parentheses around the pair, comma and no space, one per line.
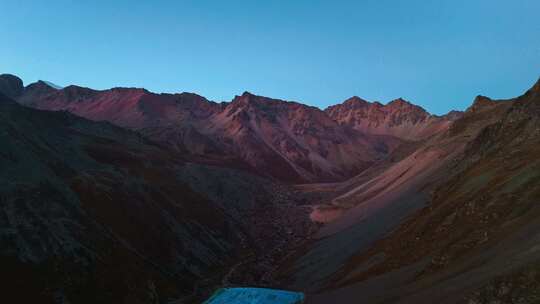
(398,118)
(285,140)
(291,138)
(481,103)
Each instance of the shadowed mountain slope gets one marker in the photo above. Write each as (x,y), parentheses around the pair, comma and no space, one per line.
(11,86)
(90,212)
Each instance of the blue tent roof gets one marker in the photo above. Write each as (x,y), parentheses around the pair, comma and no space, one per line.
(254,296)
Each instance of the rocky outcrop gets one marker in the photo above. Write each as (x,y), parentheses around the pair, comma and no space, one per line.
(290,138)
(398,118)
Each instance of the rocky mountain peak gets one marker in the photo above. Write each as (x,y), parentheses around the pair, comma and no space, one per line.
(246,98)
(257,104)
(356,101)
(40,86)
(481,103)
(399,118)
(399,102)
(405,107)
(11,85)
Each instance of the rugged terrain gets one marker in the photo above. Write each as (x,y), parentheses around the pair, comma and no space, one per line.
(90,212)
(470,233)
(124,195)
(287,141)
(398,118)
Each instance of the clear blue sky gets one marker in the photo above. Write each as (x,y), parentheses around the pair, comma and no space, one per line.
(439,54)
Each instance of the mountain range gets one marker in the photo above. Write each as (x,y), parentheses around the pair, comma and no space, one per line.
(128,196)
(284,140)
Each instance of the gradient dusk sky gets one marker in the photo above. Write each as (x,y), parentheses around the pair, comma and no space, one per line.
(438,54)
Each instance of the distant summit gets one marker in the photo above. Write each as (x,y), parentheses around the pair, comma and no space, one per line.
(52,85)
(399,118)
